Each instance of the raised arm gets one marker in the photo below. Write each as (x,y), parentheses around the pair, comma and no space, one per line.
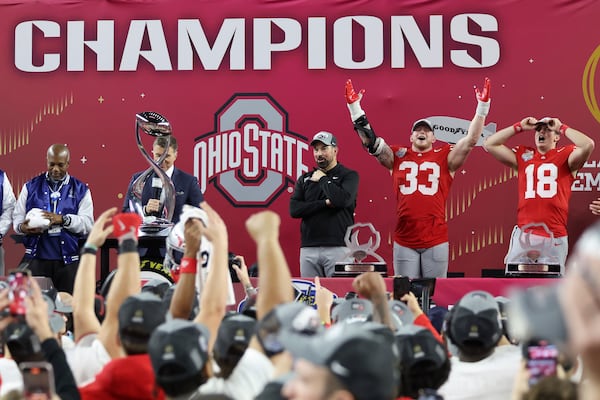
(213,299)
(126,281)
(84,317)
(458,155)
(495,144)
(376,146)
(584,144)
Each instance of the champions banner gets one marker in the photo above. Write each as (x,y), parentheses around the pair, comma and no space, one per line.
(246,84)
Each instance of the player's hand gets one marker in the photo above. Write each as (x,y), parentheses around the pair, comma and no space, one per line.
(528,123)
(351,95)
(595,206)
(485,94)
(554,124)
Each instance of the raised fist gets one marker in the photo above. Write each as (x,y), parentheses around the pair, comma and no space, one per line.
(351,95)
(484,95)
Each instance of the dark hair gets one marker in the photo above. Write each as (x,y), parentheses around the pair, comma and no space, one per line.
(162,142)
(552,388)
(422,375)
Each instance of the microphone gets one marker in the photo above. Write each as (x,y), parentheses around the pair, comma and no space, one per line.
(156,192)
(156,188)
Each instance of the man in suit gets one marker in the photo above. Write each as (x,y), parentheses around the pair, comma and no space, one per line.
(187,189)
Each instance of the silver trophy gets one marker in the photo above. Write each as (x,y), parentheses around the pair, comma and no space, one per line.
(359,252)
(153,124)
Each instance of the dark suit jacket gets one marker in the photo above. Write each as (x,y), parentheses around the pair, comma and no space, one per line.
(187,191)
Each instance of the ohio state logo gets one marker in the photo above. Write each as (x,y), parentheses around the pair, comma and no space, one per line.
(251,157)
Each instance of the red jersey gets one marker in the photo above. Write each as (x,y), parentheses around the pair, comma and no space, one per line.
(422,183)
(544,188)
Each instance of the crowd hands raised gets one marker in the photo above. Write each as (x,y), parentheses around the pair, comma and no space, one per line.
(365,346)
(148,342)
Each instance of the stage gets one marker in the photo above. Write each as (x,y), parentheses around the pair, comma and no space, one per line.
(447,290)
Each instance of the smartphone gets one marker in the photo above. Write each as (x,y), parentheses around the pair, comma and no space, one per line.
(38,380)
(541,361)
(19,289)
(401,287)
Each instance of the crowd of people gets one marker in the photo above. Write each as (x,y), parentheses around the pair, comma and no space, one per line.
(180,341)
(150,342)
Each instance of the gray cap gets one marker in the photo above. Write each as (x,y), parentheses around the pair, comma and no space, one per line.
(423,121)
(326,138)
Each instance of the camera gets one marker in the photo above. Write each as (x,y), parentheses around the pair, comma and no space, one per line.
(233,260)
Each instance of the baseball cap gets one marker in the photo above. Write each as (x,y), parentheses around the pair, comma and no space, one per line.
(401,314)
(168,296)
(139,315)
(286,319)
(157,286)
(178,351)
(235,330)
(353,310)
(422,121)
(326,138)
(418,345)
(360,358)
(475,321)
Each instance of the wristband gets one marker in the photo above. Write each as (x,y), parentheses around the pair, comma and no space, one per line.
(518,127)
(188,265)
(563,129)
(128,246)
(89,248)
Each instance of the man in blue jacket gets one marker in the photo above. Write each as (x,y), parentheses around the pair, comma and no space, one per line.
(53,212)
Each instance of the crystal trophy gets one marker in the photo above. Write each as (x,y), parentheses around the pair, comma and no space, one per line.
(153,124)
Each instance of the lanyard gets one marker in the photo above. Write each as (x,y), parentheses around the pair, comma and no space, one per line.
(55,195)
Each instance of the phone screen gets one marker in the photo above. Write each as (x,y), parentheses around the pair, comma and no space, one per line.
(38,380)
(401,286)
(541,361)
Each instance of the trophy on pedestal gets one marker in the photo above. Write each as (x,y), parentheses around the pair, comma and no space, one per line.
(359,253)
(153,124)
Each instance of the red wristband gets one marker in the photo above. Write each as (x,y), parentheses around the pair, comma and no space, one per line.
(518,128)
(563,129)
(188,265)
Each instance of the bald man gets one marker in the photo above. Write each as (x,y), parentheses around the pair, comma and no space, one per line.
(65,213)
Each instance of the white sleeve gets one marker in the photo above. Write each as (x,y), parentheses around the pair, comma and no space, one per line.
(83,221)
(8,206)
(20,210)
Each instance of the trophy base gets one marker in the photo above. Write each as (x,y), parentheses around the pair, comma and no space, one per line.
(533,270)
(355,269)
(155,229)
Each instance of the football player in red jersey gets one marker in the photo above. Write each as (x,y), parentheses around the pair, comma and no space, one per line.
(546,173)
(421,175)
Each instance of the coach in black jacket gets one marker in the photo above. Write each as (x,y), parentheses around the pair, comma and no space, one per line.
(325,199)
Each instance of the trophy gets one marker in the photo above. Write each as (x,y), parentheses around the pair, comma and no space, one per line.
(359,252)
(153,124)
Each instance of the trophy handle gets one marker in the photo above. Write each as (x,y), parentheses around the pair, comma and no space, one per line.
(156,125)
